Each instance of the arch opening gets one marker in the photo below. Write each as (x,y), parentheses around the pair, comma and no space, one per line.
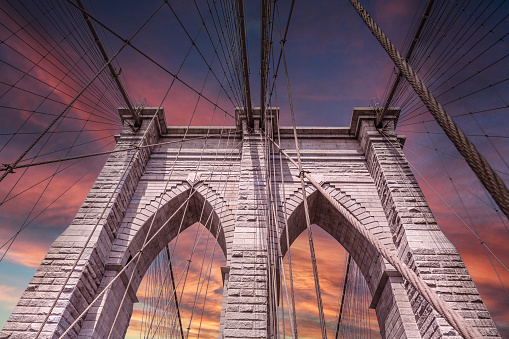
(335,236)
(188,215)
(357,318)
(199,289)
(328,218)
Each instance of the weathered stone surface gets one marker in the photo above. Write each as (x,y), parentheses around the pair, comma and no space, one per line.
(222,181)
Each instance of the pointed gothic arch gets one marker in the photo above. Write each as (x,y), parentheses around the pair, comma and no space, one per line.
(384,282)
(184,209)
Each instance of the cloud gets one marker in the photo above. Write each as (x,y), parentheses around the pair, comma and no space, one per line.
(25,252)
(9,296)
(191,280)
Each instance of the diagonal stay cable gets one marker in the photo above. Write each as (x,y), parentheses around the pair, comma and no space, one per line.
(9,198)
(175,76)
(442,307)
(137,254)
(461,219)
(443,152)
(160,200)
(126,42)
(14,108)
(124,172)
(305,202)
(476,161)
(10,241)
(6,168)
(23,226)
(171,172)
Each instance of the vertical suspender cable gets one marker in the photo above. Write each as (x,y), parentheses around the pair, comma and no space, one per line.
(341,306)
(264,50)
(306,208)
(475,160)
(285,212)
(174,291)
(245,69)
(443,308)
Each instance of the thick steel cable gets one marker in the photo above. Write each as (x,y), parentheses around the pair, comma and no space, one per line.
(442,307)
(479,72)
(476,161)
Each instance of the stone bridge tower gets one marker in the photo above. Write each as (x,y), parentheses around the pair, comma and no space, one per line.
(221,182)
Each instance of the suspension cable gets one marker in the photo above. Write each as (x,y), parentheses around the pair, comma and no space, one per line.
(306,208)
(476,161)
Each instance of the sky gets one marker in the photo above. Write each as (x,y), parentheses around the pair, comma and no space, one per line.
(334,64)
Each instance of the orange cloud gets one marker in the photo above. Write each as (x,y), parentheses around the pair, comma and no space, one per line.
(25,252)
